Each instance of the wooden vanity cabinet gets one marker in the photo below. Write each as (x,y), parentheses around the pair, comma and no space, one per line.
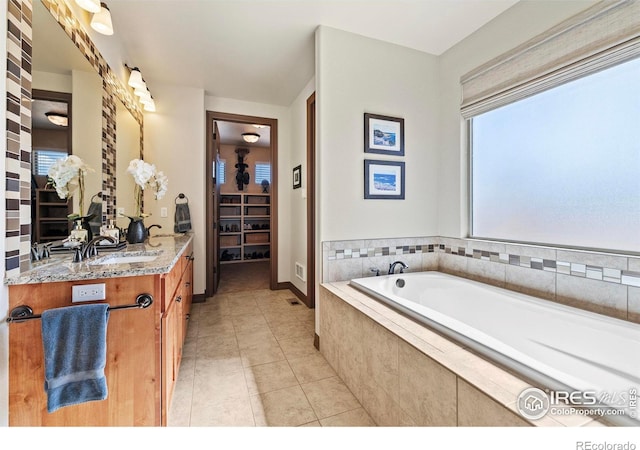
(177,298)
(144,350)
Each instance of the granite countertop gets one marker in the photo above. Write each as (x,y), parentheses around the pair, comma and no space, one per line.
(165,251)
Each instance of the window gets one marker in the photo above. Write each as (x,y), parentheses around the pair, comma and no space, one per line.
(222,171)
(263,172)
(562,167)
(44,159)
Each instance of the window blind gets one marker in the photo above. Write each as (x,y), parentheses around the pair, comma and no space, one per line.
(604,35)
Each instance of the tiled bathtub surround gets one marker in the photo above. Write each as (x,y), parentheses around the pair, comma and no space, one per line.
(600,282)
(406,375)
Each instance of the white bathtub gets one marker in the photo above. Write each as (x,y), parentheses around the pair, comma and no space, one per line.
(556,346)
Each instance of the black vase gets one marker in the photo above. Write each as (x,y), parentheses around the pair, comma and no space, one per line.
(136,232)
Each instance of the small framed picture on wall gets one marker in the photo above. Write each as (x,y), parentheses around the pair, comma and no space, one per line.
(383,135)
(297,177)
(383,180)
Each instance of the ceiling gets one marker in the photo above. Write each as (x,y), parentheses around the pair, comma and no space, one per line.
(231,134)
(263,50)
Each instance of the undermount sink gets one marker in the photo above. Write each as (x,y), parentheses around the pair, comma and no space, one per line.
(124,258)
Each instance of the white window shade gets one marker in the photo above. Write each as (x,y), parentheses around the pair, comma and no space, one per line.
(602,36)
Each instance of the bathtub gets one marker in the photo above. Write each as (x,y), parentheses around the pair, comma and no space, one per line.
(555,346)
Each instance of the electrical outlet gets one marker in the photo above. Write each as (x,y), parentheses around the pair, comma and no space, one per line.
(163,212)
(88,292)
(120,211)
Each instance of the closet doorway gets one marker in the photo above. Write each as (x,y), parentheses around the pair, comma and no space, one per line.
(241,204)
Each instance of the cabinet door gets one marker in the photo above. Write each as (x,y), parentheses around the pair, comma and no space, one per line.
(187,290)
(170,356)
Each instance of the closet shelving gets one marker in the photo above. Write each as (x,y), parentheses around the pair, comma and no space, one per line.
(245,233)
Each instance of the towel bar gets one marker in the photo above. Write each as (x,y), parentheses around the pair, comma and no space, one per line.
(24,312)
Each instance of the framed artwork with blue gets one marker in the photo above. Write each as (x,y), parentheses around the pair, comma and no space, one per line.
(383,180)
(383,135)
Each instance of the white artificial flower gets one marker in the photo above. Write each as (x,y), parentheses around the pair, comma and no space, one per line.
(65,173)
(141,172)
(161,184)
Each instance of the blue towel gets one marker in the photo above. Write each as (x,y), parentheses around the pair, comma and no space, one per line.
(75,354)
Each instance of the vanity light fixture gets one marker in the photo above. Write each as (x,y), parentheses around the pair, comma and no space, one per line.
(150,105)
(101,21)
(93,6)
(135,79)
(58,119)
(250,137)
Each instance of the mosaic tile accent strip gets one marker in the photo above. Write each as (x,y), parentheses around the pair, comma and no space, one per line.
(18,135)
(606,274)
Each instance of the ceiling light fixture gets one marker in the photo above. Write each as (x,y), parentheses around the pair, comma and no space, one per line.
(101,21)
(57,119)
(93,6)
(250,137)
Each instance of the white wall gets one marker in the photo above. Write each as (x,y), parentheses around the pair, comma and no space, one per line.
(516,25)
(357,75)
(282,114)
(174,140)
(297,197)
(4,292)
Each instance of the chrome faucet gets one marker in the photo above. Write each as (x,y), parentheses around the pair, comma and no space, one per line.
(90,248)
(392,267)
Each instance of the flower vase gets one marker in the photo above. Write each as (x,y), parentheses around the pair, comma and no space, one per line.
(136,232)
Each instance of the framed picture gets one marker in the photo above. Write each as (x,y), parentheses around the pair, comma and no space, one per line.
(383,180)
(383,135)
(297,177)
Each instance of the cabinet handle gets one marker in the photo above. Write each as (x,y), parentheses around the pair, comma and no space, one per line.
(188,316)
(179,298)
(187,284)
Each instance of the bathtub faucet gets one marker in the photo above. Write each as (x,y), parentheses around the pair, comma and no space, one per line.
(392,267)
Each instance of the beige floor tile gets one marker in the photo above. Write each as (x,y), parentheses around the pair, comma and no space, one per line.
(214,388)
(212,346)
(269,377)
(285,407)
(315,423)
(297,348)
(329,397)
(249,322)
(290,330)
(234,412)
(261,354)
(256,337)
(219,365)
(218,327)
(311,368)
(354,418)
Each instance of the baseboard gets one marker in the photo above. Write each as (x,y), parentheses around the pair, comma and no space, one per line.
(292,287)
(199,298)
(316,341)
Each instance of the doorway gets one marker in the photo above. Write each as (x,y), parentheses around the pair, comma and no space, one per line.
(241,203)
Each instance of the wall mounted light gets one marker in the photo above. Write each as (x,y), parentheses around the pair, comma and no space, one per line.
(135,79)
(93,6)
(149,105)
(251,138)
(140,89)
(57,119)
(101,21)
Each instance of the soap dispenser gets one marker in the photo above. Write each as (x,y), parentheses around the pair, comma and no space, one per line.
(78,233)
(110,230)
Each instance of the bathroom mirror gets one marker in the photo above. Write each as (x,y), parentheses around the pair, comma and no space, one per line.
(127,148)
(61,70)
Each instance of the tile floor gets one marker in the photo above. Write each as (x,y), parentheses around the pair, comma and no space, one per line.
(249,360)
